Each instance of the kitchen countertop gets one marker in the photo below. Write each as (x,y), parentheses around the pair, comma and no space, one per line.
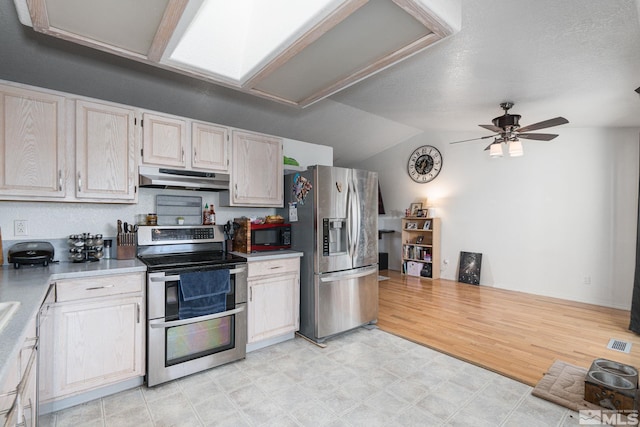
(263,256)
(29,285)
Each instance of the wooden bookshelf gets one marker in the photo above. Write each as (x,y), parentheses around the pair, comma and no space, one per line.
(421,247)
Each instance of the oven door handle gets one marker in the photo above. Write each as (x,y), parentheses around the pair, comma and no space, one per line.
(196,319)
(175,278)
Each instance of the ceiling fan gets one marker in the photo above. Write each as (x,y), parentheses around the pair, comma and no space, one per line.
(508,131)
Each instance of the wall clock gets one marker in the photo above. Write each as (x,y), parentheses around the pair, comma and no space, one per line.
(424,164)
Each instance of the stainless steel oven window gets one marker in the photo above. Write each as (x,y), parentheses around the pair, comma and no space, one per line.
(159,372)
(195,340)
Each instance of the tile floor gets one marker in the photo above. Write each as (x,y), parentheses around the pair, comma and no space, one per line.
(362,378)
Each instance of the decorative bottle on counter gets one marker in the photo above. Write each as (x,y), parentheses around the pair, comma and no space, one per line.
(206,217)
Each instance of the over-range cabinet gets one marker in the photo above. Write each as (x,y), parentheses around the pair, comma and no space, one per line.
(337,230)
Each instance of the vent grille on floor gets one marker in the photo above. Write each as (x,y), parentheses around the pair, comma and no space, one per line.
(619,345)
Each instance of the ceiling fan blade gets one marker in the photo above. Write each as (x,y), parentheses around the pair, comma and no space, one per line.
(545,124)
(492,128)
(537,136)
(473,139)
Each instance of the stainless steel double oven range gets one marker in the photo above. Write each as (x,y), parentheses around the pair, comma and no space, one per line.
(179,347)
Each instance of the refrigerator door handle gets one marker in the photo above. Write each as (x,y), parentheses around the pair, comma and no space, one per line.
(351,226)
(364,272)
(357,214)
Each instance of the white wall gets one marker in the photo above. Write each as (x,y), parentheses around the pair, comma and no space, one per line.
(563,214)
(308,154)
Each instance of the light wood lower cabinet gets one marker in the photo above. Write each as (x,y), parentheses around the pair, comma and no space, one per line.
(18,391)
(274,298)
(95,337)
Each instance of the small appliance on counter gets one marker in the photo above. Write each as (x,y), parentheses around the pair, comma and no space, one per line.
(85,247)
(270,235)
(30,253)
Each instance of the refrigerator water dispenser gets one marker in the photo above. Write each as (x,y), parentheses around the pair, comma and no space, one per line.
(334,236)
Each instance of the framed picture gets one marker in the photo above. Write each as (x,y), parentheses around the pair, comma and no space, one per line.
(469,269)
(412,226)
(426,225)
(414,208)
(419,239)
(421,213)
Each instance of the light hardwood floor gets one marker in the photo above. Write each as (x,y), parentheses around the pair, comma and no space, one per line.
(516,334)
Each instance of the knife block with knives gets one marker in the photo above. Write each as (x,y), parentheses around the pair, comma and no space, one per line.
(127,240)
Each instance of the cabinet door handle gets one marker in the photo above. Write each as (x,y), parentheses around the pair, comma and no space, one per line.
(98,287)
(195,154)
(183,154)
(276,267)
(79,183)
(59,179)
(138,312)
(250,293)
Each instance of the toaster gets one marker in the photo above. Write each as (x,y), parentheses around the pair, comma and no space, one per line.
(30,253)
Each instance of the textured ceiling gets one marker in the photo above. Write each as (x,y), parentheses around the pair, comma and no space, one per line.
(579,59)
(574,58)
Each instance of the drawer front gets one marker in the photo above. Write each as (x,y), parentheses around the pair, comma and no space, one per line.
(275,266)
(100,286)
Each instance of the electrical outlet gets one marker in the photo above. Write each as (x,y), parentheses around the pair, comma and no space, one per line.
(20,227)
(587,280)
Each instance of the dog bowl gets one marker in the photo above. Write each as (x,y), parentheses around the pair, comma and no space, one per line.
(611,380)
(620,369)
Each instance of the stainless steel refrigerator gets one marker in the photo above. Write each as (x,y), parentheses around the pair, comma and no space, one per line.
(337,229)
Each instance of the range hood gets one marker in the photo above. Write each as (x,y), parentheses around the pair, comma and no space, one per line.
(183,179)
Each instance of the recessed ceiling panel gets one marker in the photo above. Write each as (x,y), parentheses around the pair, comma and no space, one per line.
(373,32)
(126,24)
(292,51)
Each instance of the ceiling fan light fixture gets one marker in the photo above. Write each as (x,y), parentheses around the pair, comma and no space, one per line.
(495,150)
(515,148)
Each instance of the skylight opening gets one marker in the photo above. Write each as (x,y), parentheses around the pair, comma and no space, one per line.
(234,39)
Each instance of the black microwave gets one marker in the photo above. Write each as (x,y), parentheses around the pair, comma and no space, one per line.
(270,237)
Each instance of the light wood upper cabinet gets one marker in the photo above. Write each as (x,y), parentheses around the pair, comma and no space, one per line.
(209,147)
(164,140)
(32,143)
(177,142)
(105,152)
(257,170)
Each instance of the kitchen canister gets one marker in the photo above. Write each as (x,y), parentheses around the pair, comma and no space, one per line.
(107,248)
